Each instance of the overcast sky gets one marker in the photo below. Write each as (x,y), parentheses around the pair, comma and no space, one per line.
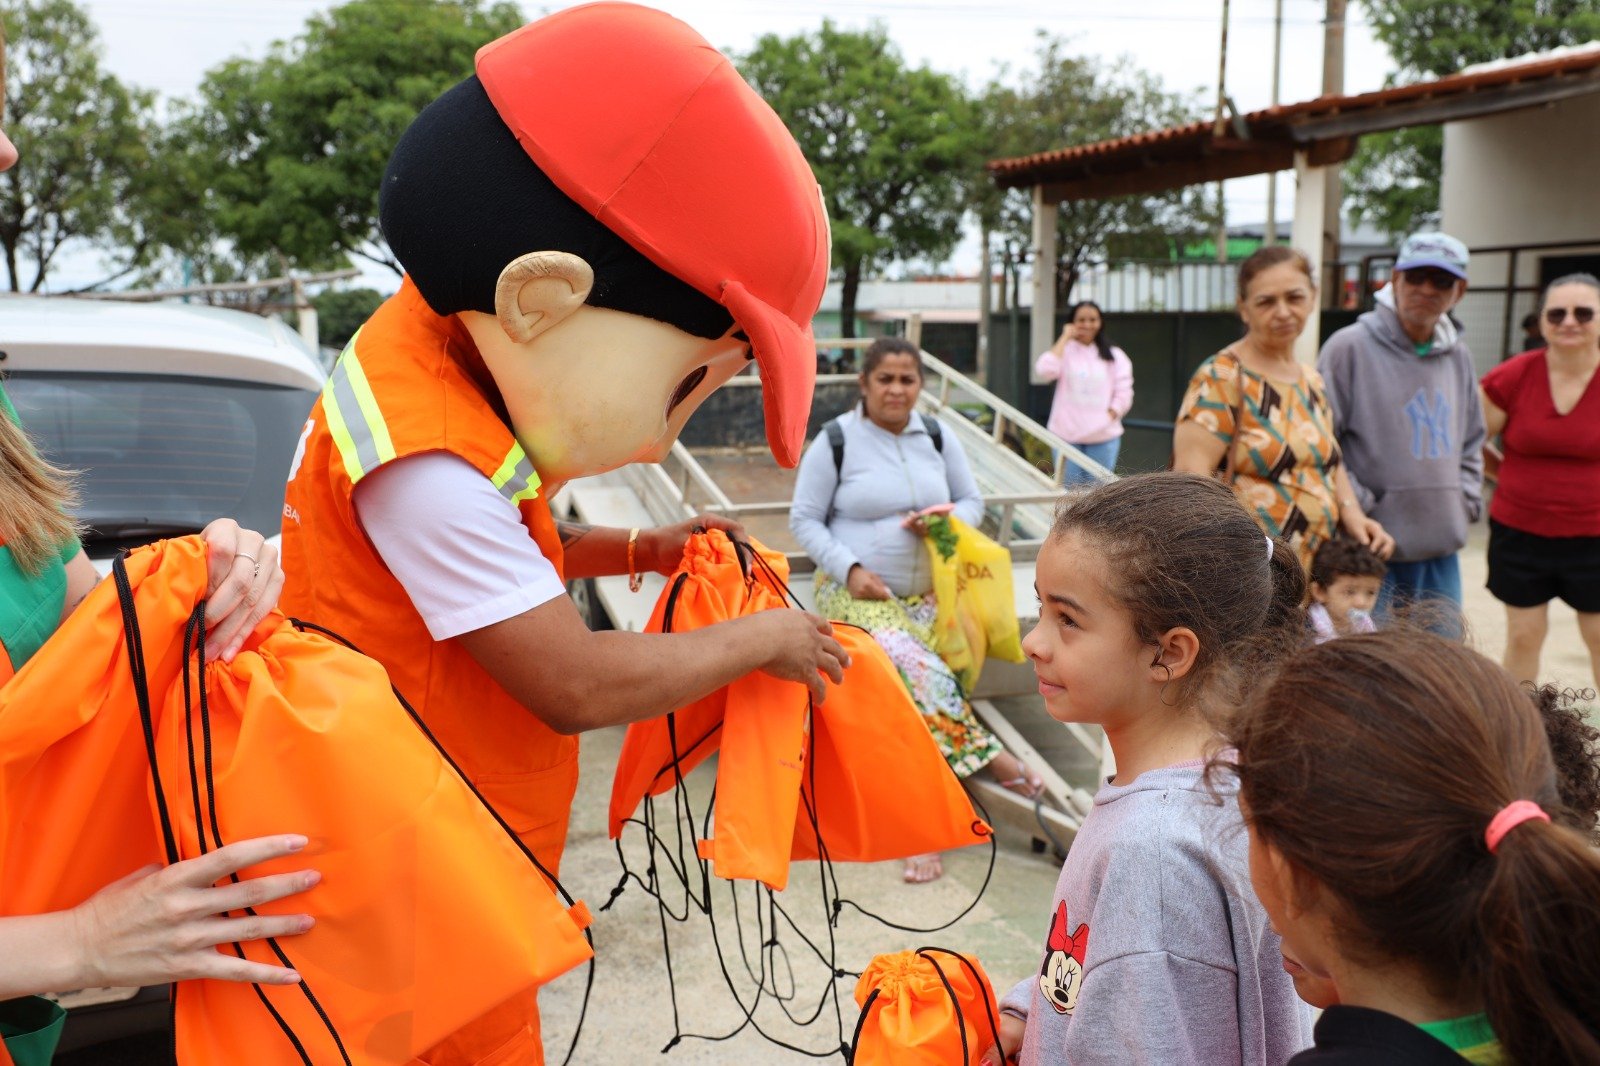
(167,45)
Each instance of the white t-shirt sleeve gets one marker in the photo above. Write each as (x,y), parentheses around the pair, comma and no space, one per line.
(455,545)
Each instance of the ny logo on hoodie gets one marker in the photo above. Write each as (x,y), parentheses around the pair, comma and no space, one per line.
(1430,423)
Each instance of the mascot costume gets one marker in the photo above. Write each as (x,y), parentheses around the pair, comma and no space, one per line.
(599,228)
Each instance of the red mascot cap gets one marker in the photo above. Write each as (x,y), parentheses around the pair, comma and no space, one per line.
(650,129)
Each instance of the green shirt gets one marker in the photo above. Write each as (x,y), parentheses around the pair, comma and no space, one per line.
(1470,1037)
(30,604)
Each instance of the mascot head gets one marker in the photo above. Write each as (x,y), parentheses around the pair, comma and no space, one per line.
(621,223)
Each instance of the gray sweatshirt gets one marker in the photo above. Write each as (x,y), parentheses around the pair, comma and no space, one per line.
(1411,430)
(1158,952)
(854,515)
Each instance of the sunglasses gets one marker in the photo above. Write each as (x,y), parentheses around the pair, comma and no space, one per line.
(1557,315)
(1439,279)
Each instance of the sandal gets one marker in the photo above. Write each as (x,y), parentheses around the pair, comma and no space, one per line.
(920,869)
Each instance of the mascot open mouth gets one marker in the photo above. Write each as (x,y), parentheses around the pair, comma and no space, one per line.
(686,388)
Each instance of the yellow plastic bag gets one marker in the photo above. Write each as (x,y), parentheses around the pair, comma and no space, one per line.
(977,615)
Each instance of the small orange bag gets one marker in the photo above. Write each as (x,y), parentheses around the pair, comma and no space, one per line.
(930,1006)
(117,750)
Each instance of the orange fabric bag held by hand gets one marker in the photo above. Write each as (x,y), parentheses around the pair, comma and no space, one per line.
(789,773)
(929,1007)
(430,913)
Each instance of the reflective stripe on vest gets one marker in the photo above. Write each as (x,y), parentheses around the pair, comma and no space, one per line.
(355,422)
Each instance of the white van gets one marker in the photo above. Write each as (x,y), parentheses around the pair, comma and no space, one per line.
(172,414)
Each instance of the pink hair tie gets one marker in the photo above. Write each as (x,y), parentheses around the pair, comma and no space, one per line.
(1511,815)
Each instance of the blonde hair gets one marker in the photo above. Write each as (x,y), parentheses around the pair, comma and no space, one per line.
(34,500)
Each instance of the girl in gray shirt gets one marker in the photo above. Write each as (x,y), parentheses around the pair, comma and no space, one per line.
(1156,949)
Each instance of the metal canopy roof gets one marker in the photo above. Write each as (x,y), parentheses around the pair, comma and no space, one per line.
(1264,141)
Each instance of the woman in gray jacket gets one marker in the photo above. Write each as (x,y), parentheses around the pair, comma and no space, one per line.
(856,495)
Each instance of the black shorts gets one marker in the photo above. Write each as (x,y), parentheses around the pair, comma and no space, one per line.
(1526,570)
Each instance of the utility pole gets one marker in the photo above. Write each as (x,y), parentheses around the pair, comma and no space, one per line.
(1217,128)
(1272,179)
(1333,209)
(985,305)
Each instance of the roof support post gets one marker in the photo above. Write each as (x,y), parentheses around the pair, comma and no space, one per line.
(1042,321)
(1310,207)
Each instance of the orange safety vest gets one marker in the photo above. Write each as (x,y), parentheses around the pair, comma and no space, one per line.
(403,387)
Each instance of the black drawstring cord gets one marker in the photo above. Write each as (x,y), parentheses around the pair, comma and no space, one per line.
(190,641)
(505,827)
(134,641)
(197,629)
(955,1004)
(772,970)
(764,975)
(978,983)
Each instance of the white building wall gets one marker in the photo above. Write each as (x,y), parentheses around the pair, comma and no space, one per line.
(1520,178)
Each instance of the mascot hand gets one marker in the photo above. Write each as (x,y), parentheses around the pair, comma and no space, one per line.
(801,648)
(662,547)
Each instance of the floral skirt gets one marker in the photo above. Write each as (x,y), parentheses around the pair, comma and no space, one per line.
(903,628)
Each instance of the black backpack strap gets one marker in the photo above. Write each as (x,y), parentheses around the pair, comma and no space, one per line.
(835,433)
(835,441)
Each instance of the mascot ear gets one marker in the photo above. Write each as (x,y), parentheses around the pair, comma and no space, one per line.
(538,290)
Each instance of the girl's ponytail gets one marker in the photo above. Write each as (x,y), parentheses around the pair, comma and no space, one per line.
(1286,615)
(1539,920)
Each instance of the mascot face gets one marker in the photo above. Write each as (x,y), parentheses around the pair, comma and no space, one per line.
(600,389)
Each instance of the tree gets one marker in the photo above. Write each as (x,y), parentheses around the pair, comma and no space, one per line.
(1069,100)
(278,162)
(1393,180)
(889,144)
(340,312)
(84,140)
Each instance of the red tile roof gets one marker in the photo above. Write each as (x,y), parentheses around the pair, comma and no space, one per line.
(1275,123)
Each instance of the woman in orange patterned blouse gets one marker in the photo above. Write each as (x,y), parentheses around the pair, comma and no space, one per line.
(1272,412)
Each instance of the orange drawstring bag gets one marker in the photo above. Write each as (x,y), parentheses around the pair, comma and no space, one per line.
(878,786)
(430,913)
(930,1006)
(768,733)
(760,768)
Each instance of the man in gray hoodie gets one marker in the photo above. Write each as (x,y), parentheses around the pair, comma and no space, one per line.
(1404,393)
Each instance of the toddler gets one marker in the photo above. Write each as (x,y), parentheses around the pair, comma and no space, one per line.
(1345,580)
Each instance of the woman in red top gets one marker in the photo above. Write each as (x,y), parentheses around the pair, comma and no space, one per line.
(1544,523)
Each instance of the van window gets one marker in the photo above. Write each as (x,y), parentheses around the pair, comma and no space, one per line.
(162,456)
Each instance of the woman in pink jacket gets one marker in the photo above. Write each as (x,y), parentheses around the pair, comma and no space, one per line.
(1094,389)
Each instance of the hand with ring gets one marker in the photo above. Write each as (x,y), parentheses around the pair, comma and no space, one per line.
(243,582)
